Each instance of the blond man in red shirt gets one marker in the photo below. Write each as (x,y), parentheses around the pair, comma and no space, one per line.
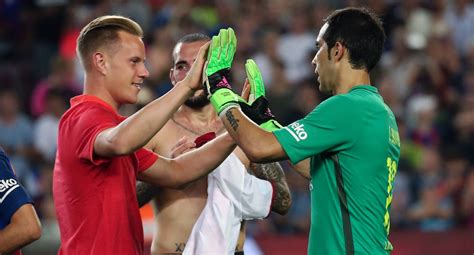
(100,153)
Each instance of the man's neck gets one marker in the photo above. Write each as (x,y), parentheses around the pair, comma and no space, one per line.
(95,87)
(204,115)
(351,78)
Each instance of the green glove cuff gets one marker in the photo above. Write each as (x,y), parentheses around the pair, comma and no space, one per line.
(224,98)
(271,125)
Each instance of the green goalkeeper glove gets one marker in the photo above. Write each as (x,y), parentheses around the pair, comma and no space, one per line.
(219,60)
(257,108)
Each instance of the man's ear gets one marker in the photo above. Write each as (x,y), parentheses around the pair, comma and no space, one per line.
(339,51)
(99,63)
(173,81)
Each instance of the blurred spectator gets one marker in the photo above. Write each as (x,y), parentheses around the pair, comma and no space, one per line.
(400,201)
(432,212)
(280,95)
(46,126)
(460,18)
(455,165)
(433,209)
(422,114)
(61,77)
(464,123)
(399,63)
(468,200)
(294,47)
(307,97)
(137,10)
(267,57)
(16,138)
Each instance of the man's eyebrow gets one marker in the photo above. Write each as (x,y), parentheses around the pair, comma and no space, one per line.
(137,58)
(180,62)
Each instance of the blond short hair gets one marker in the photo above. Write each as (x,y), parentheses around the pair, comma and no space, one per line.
(103,31)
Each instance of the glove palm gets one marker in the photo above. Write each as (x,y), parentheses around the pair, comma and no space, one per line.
(219,60)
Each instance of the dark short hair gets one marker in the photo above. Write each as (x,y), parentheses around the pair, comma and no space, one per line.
(360,32)
(103,31)
(190,38)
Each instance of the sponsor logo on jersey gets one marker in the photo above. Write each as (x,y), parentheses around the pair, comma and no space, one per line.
(6,187)
(297,131)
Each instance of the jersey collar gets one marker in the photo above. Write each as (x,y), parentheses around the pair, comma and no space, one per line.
(366,87)
(89,98)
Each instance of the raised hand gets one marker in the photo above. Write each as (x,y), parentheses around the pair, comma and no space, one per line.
(219,60)
(183,145)
(194,76)
(257,107)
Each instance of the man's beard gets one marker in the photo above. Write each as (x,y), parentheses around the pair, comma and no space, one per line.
(199,101)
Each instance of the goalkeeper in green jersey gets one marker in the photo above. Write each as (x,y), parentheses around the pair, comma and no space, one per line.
(348,146)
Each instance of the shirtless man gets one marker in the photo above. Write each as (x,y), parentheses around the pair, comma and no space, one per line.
(176,211)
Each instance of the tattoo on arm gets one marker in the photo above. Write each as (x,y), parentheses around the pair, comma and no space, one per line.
(274,173)
(234,123)
(145,192)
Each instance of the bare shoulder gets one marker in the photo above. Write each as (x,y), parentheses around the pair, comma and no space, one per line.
(164,139)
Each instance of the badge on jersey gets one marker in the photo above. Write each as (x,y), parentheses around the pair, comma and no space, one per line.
(297,131)
(6,187)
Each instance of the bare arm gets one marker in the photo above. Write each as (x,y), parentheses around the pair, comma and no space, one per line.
(259,145)
(303,168)
(138,129)
(146,191)
(23,229)
(274,173)
(190,166)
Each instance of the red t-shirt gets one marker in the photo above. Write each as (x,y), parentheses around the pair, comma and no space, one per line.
(95,197)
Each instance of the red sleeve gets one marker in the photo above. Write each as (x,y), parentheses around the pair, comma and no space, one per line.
(146,158)
(89,124)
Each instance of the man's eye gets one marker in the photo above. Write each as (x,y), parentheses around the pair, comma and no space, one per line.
(181,67)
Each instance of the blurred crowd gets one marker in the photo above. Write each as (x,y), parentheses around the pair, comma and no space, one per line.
(426,76)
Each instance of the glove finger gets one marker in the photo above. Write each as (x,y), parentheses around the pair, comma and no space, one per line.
(232,45)
(257,89)
(213,56)
(224,38)
(251,82)
(212,47)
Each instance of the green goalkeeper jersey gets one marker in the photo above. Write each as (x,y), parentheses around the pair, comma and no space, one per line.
(353,144)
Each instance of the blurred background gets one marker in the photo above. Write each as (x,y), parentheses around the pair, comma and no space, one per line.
(426,76)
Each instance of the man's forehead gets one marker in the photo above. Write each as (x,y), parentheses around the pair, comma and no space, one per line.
(187,47)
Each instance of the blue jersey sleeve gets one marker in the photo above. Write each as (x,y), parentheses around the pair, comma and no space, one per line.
(12,194)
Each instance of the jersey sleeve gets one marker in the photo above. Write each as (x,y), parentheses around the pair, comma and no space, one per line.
(12,194)
(90,125)
(251,196)
(146,158)
(257,198)
(329,127)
